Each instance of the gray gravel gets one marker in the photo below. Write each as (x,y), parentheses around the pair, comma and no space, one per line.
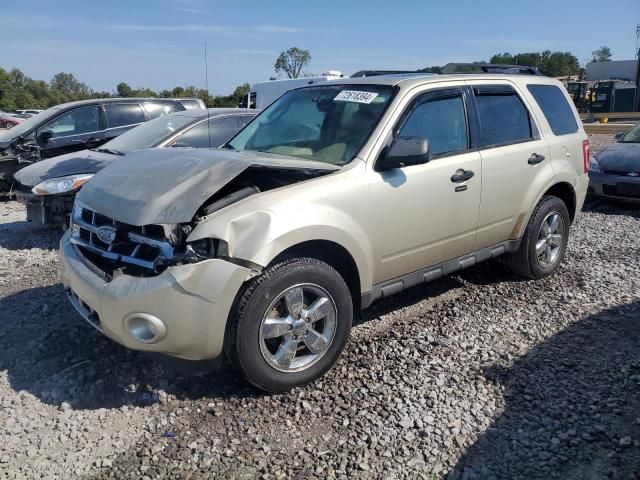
(477,376)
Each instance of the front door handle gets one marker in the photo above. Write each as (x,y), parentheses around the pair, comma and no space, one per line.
(535,159)
(461,176)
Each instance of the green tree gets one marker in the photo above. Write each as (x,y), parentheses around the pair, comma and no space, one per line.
(552,64)
(124,90)
(602,54)
(292,62)
(70,86)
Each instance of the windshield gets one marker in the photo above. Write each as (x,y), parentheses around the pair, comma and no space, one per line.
(328,123)
(632,136)
(149,134)
(28,125)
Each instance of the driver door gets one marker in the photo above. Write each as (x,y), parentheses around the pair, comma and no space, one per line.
(425,214)
(74,130)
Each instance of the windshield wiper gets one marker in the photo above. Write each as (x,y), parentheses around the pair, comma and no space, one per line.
(107,150)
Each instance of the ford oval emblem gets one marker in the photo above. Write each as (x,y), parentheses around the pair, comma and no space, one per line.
(106,234)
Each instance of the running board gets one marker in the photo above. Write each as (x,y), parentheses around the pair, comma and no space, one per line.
(391,287)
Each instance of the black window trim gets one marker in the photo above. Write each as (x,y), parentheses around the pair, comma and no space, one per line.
(429,96)
(501,89)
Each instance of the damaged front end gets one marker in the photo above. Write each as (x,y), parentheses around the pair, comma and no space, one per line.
(114,247)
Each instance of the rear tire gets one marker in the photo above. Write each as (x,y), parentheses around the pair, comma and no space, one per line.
(544,242)
(290,324)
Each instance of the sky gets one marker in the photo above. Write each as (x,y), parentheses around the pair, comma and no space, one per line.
(160,43)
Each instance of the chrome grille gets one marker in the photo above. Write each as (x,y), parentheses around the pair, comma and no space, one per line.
(117,244)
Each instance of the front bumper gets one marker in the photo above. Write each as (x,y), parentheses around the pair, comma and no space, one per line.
(623,188)
(192,301)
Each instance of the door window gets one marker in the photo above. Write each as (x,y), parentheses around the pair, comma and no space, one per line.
(121,114)
(503,117)
(78,121)
(442,121)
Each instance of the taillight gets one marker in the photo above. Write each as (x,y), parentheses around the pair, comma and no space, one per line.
(585,155)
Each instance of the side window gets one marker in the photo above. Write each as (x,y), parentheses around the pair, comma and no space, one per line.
(442,121)
(221,130)
(121,114)
(76,122)
(503,117)
(555,107)
(156,110)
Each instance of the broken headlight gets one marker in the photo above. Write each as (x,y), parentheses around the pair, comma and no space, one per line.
(208,248)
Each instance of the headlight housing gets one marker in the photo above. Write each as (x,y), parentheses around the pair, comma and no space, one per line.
(594,166)
(67,184)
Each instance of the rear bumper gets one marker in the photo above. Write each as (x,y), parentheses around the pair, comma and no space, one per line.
(615,187)
(191,302)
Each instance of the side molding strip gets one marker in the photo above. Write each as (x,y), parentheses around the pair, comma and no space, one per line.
(396,285)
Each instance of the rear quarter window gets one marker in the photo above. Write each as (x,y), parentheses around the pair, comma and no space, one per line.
(555,108)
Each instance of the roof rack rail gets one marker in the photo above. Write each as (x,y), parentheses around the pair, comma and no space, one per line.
(375,73)
(489,68)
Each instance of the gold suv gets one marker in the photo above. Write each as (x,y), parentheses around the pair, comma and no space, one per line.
(334,196)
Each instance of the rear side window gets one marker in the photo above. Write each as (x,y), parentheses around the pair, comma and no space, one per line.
(503,117)
(220,130)
(555,107)
(120,114)
(156,110)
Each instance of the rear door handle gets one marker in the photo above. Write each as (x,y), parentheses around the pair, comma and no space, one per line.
(535,159)
(461,176)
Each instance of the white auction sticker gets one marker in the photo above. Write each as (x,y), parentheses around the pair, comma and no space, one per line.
(355,96)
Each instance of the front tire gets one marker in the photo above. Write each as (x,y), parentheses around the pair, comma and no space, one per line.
(290,324)
(544,242)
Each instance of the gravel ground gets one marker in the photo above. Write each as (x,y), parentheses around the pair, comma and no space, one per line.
(477,376)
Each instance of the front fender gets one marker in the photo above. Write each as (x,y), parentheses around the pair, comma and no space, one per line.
(259,236)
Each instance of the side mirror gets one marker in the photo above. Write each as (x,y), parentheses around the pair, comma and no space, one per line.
(403,152)
(45,136)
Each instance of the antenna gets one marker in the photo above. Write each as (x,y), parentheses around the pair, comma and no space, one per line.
(206,84)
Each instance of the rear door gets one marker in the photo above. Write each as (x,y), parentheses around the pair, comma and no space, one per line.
(71,131)
(121,117)
(515,160)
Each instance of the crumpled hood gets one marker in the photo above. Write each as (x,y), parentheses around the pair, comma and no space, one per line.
(620,156)
(85,161)
(169,185)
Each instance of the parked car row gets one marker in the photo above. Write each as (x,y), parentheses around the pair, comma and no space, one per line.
(48,187)
(75,126)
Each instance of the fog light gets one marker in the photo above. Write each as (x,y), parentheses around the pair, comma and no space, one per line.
(145,328)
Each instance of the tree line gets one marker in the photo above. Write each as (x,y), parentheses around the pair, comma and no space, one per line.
(17,90)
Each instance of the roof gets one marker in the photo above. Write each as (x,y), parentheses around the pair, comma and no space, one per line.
(409,81)
(92,101)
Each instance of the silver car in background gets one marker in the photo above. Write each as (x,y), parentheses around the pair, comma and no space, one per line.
(614,172)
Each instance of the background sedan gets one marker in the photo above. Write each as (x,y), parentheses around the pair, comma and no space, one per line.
(615,171)
(48,187)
